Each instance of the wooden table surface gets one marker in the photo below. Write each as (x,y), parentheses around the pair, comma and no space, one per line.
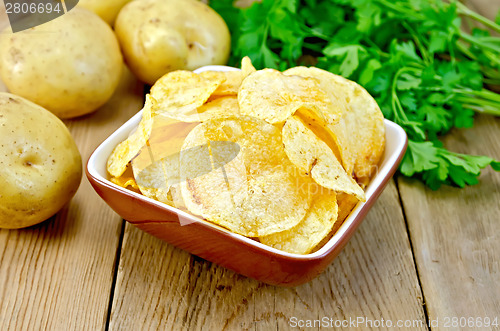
(420,256)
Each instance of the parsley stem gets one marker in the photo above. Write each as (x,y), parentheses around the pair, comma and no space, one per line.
(396,103)
(416,39)
(491,73)
(491,81)
(464,49)
(488,95)
(486,106)
(399,113)
(400,9)
(483,109)
(478,42)
(478,101)
(377,49)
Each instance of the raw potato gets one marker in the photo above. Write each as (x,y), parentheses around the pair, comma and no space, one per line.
(159,36)
(106,9)
(70,65)
(40,164)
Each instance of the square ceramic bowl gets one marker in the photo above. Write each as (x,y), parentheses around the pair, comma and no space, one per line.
(216,244)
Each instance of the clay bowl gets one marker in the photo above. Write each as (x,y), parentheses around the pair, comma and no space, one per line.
(216,244)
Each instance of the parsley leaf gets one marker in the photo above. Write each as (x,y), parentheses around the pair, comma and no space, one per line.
(426,74)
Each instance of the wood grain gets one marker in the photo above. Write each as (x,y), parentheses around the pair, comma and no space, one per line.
(161,287)
(456,233)
(58,275)
(487,8)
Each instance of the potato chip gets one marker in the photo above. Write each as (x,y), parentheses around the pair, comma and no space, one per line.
(126,180)
(316,225)
(128,149)
(365,124)
(160,181)
(161,178)
(230,84)
(247,67)
(346,204)
(179,92)
(360,134)
(269,95)
(150,164)
(255,192)
(153,183)
(166,138)
(156,167)
(320,129)
(222,107)
(312,155)
(333,133)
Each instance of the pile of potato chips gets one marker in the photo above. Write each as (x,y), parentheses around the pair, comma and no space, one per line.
(281,157)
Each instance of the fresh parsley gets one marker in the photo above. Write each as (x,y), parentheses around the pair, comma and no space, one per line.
(426,73)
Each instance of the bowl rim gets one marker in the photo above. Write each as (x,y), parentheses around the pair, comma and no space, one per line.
(388,165)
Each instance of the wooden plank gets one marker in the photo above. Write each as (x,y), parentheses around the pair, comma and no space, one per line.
(162,287)
(58,275)
(487,8)
(456,233)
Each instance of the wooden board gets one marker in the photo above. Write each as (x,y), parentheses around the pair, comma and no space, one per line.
(160,286)
(59,275)
(456,233)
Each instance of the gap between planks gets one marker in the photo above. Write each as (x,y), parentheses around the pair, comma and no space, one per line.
(412,248)
(115,274)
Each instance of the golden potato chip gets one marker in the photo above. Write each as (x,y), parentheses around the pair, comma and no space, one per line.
(159,177)
(156,166)
(321,130)
(126,180)
(346,204)
(365,123)
(159,181)
(312,155)
(222,107)
(333,133)
(360,134)
(153,183)
(269,95)
(230,84)
(128,149)
(213,75)
(179,92)
(166,138)
(247,67)
(311,230)
(254,193)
